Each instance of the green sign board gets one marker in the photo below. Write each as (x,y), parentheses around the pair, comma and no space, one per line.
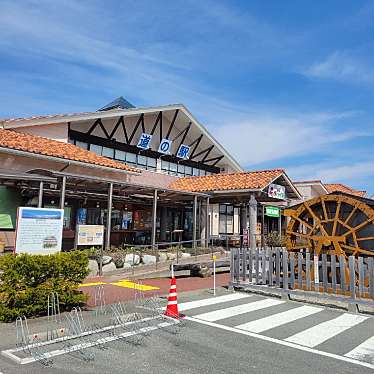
(272,211)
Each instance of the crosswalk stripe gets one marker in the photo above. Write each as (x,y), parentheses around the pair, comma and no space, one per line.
(279,319)
(326,330)
(239,309)
(364,351)
(212,301)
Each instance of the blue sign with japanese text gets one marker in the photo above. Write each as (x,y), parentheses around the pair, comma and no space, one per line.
(144,141)
(165,146)
(183,151)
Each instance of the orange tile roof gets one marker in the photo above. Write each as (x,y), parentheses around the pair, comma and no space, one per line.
(234,181)
(53,148)
(338,187)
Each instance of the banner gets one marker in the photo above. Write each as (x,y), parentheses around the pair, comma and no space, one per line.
(90,235)
(39,230)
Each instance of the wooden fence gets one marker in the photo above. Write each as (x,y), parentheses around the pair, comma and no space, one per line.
(324,273)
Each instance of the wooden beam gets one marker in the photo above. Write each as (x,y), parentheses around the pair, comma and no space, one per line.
(172,123)
(196,142)
(140,121)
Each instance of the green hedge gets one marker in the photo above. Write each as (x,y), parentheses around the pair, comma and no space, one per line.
(27,280)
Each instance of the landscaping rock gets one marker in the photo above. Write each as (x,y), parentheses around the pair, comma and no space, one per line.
(109,267)
(119,262)
(132,259)
(185,254)
(171,256)
(93,267)
(162,257)
(107,260)
(148,259)
(126,266)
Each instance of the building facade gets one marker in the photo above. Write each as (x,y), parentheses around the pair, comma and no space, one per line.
(150,175)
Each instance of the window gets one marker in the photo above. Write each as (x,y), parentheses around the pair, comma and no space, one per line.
(173,168)
(81,144)
(188,170)
(108,152)
(120,155)
(202,172)
(98,149)
(195,172)
(181,169)
(152,163)
(226,219)
(165,165)
(142,160)
(131,158)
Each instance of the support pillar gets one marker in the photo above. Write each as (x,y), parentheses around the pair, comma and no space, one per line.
(108,228)
(109,216)
(63,191)
(154,220)
(207,223)
(163,223)
(252,221)
(194,218)
(40,198)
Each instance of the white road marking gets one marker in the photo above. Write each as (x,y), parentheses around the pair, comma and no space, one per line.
(364,351)
(239,309)
(279,319)
(326,330)
(282,342)
(212,301)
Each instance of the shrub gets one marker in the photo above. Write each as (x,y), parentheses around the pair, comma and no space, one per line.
(275,240)
(27,280)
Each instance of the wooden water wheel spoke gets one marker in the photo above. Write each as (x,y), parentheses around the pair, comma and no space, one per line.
(324,209)
(350,215)
(336,218)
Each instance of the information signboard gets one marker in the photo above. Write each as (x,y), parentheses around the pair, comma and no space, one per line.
(272,211)
(90,235)
(276,191)
(39,230)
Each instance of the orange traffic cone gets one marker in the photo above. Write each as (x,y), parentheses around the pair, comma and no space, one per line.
(172,307)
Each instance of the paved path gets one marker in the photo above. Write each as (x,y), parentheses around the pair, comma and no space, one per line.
(231,333)
(321,331)
(117,288)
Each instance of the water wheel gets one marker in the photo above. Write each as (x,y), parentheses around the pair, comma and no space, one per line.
(338,224)
(334,224)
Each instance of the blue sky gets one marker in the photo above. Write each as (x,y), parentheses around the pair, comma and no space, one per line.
(279,83)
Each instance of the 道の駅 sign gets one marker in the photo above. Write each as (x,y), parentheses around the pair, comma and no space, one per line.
(276,191)
(39,230)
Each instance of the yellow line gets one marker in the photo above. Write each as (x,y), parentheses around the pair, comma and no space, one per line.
(140,287)
(123,283)
(91,284)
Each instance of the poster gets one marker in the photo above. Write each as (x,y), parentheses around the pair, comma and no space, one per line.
(90,234)
(39,230)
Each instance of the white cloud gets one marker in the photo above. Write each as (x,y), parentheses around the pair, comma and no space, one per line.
(355,174)
(262,138)
(342,66)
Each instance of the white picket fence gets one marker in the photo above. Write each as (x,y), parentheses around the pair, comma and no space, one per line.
(328,274)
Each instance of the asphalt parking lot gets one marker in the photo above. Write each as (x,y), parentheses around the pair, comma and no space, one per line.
(211,347)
